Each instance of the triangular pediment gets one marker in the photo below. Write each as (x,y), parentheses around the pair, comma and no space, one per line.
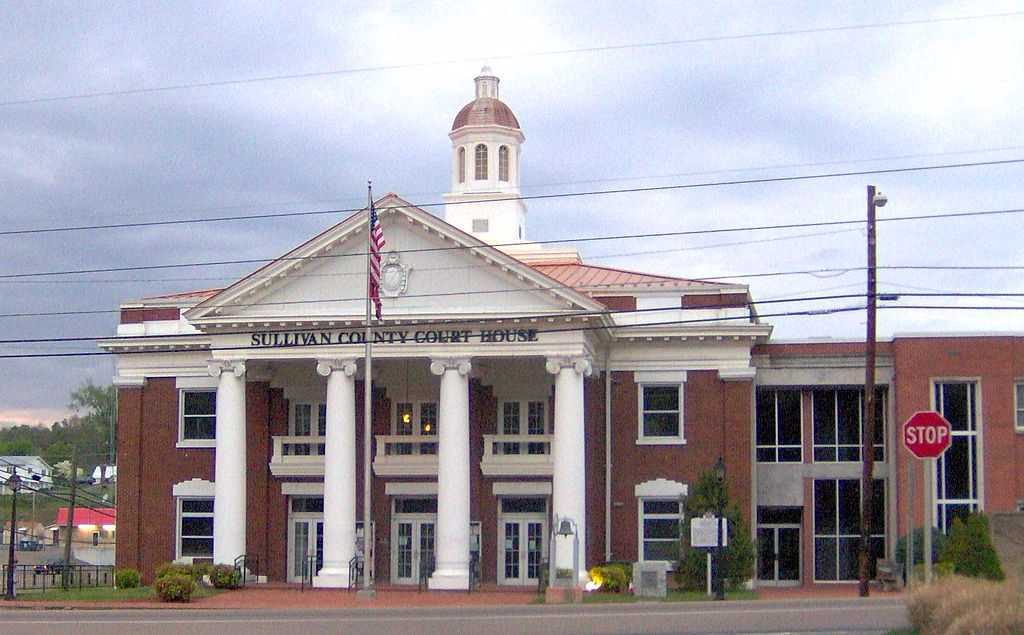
(430,270)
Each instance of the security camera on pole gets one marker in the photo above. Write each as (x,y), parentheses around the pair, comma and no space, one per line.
(927,435)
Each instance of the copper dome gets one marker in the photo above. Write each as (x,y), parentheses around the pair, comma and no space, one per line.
(485,111)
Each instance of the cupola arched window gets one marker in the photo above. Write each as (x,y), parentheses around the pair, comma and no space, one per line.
(481,162)
(503,163)
(462,165)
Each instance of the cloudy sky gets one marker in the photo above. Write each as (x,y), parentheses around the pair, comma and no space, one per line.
(609,95)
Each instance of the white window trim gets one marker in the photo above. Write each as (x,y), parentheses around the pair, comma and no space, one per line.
(177,526)
(679,439)
(978,504)
(416,415)
(837,535)
(193,443)
(524,415)
(669,565)
(1018,405)
(314,417)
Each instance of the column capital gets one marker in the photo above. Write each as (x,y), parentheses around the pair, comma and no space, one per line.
(439,365)
(582,365)
(215,368)
(326,366)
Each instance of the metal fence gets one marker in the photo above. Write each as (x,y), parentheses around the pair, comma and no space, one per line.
(32,577)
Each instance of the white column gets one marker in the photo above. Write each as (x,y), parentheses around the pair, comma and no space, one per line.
(339,473)
(452,544)
(568,453)
(229,520)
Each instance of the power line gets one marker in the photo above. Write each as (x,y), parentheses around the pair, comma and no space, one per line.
(541,242)
(492,58)
(531,197)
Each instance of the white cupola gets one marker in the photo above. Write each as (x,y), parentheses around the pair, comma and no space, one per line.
(486,146)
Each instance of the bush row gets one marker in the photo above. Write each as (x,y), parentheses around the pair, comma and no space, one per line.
(957,605)
(176,582)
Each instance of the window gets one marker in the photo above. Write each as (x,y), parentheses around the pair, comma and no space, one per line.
(503,163)
(512,423)
(661,409)
(1018,402)
(481,162)
(198,416)
(659,529)
(778,426)
(95,539)
(462,165)
(415,418)
(837,506)
(195,528)
(956,471)
(481,225)
(838,416)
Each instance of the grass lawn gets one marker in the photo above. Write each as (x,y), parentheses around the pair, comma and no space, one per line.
(103,594)
(673,596)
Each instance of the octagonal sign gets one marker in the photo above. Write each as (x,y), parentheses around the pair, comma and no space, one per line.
(927,434)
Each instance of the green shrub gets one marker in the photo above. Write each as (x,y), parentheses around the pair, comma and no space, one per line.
(174,587)
(126,578)
(200,569)
(969,548)
(173,568)
(613,577)
(225,576)
(738,557)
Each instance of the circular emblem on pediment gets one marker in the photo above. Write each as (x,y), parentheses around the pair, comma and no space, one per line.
(394,276)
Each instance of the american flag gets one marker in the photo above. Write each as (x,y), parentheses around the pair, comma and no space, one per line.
(376,245)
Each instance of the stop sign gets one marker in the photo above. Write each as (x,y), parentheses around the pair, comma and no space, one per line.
(927,434)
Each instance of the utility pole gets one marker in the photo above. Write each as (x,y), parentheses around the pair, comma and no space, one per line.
(69,525)
(868,431)
(14,484)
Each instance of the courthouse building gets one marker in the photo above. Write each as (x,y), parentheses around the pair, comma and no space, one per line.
(512,386)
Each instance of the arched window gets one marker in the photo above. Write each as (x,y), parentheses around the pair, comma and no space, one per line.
(462,165)
(503,163)
(481,162)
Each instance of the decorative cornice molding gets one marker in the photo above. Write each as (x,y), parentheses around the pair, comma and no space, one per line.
(324,367)
(582,365)
(219,367)
(129,382)
(439,366)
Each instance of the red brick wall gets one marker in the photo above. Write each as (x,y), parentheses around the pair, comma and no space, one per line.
(710,301)
(129,481)
(257,458)
(594,434)
(275,526)
(618,302)
(160,466)
(138,316)
(717,423)
(995,362)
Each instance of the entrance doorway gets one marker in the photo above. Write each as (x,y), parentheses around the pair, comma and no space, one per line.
(778,554)
(412,537)
(522,547)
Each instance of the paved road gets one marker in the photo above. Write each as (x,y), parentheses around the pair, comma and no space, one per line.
(831,616)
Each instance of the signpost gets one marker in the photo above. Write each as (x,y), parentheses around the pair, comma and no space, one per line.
(927,435)
(704,534)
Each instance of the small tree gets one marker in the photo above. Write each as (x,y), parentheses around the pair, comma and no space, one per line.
(737,565)
(969,549)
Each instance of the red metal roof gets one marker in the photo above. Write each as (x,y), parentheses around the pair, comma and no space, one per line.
(583,276)
(187,295)
(98,516)
(485,111)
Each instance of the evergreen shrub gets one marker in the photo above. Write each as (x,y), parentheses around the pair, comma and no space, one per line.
(174,587)
(969,548)
(126,578)
(225,576)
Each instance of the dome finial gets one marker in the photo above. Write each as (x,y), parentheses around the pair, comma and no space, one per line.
(486,83)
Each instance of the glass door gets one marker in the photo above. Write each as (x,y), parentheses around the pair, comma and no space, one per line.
(414,549)
(306,548)
(778,554)
(522,550)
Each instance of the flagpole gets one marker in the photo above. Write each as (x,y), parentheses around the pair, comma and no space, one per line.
(368,546)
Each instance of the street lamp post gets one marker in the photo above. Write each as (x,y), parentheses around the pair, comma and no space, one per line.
(719,511)
(14,484)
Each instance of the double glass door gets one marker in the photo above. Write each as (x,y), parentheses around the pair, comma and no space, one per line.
(521,547)
(413,552)
(306,552)
(778,554)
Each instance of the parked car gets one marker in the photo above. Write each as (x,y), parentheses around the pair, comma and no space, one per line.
(55,566)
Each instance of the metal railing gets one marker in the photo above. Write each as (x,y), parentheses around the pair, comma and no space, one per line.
(355,572)
(427,564)
(42,577)
(309,571)
(247,565)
